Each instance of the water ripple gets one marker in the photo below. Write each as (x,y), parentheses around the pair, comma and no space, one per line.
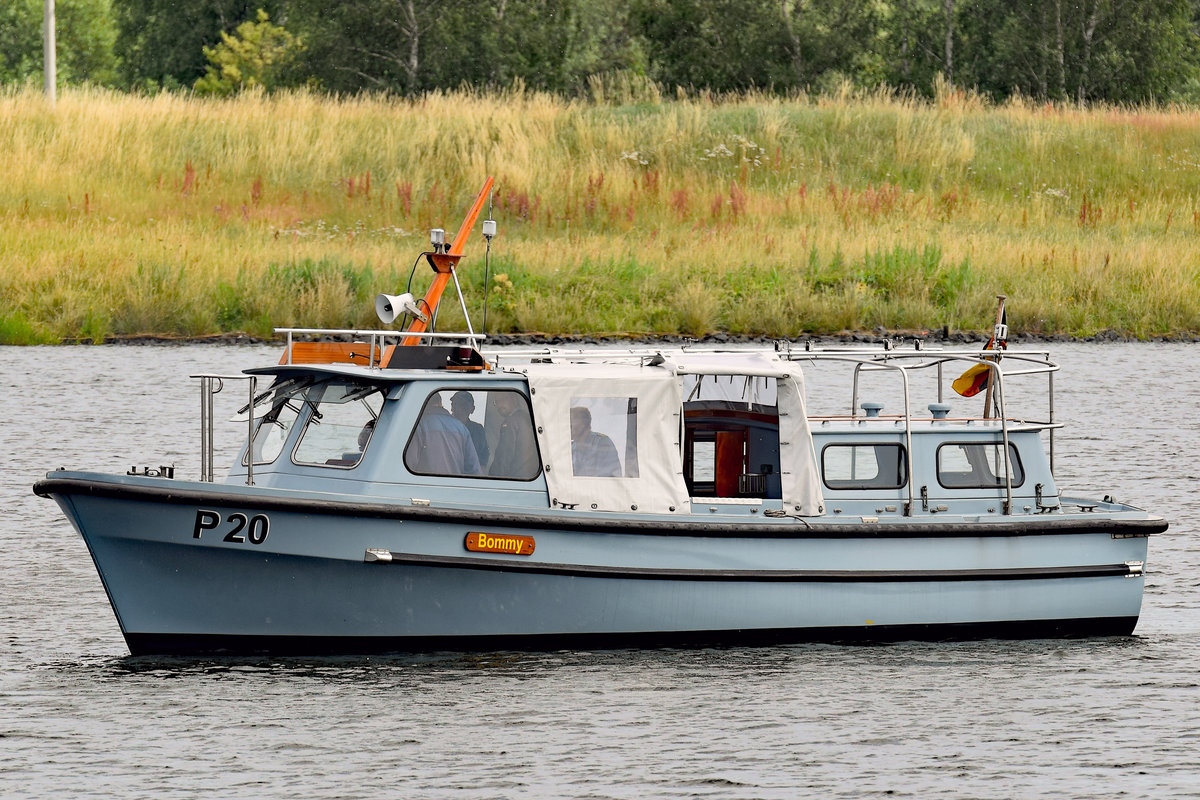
(1064,719)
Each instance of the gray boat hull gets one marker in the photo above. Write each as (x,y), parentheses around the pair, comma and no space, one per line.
(198,567)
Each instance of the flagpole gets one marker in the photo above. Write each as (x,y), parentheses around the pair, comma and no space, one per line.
(993,344)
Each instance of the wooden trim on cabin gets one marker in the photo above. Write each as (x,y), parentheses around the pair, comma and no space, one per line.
(330,353)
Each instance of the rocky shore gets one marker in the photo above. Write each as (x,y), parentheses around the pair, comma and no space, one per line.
(877,336)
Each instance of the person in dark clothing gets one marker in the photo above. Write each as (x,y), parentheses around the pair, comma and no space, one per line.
(516,453)
(462,406)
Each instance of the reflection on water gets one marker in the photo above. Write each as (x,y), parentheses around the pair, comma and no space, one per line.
(79,717)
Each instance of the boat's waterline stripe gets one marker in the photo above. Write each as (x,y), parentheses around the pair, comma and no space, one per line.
(149,644)
(786,528)
(383,556)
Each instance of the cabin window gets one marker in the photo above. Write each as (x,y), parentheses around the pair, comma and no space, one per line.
(604,437)
(273,430)
(340,425)
(976,465)
(864,466)
(474,433)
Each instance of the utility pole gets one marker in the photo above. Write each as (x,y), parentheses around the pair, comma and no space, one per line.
(51,66)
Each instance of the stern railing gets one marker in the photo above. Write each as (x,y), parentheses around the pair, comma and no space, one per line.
(1039,364)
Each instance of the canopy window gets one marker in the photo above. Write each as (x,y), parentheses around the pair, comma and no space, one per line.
(609,436)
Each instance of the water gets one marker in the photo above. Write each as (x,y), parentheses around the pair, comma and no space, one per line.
(1067,719)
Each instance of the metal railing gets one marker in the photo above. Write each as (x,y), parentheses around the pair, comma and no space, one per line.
(889,358)
(1039,364)
(376,339)
(211,385)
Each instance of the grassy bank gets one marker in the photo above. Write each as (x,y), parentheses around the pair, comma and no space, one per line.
(173,215)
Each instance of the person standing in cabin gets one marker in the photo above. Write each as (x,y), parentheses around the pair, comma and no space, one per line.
(462,406)
(441,444)
(516,453)
(592,454)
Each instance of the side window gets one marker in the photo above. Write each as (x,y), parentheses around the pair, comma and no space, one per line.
(340,425)
(976,465)
(864,466)
(604,437)
(272,431)
(472,432)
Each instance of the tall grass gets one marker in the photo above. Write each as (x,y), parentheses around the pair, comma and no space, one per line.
(631,213)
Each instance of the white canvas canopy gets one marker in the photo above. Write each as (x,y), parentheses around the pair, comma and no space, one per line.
(629,456)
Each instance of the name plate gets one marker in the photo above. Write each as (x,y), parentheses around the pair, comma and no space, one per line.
(509,543)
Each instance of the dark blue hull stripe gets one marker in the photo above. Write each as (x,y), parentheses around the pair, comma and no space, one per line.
(212,644)
(755,575)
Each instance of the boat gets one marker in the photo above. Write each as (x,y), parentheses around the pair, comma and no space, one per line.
(407,489)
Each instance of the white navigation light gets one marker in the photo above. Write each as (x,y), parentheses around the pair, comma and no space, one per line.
(390,306)
(437,238)
(489,229)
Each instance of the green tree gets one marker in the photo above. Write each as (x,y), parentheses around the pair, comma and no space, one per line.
(533,39)
(162,42)
(601,40)
(85,33)
(1140,50)
(375,44)
(256,55)
(834,39)
(725,45)
(1106,50)
(20,40)
(913,43)
(410,46)
(739,44)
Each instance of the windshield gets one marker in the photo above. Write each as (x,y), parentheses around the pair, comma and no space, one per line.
(340,425)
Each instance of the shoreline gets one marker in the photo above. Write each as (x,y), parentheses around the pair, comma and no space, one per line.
(878,336)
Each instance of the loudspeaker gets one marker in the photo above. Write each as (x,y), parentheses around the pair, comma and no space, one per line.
(390,306)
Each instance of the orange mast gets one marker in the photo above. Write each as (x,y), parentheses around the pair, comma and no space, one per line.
(443,264)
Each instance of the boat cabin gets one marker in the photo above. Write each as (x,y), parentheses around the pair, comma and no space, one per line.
(640,432)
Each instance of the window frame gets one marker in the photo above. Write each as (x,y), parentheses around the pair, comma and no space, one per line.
(473,389)
(903,464)
(287,403)
(1017,467)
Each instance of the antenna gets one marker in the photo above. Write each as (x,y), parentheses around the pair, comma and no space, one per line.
(489,230)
